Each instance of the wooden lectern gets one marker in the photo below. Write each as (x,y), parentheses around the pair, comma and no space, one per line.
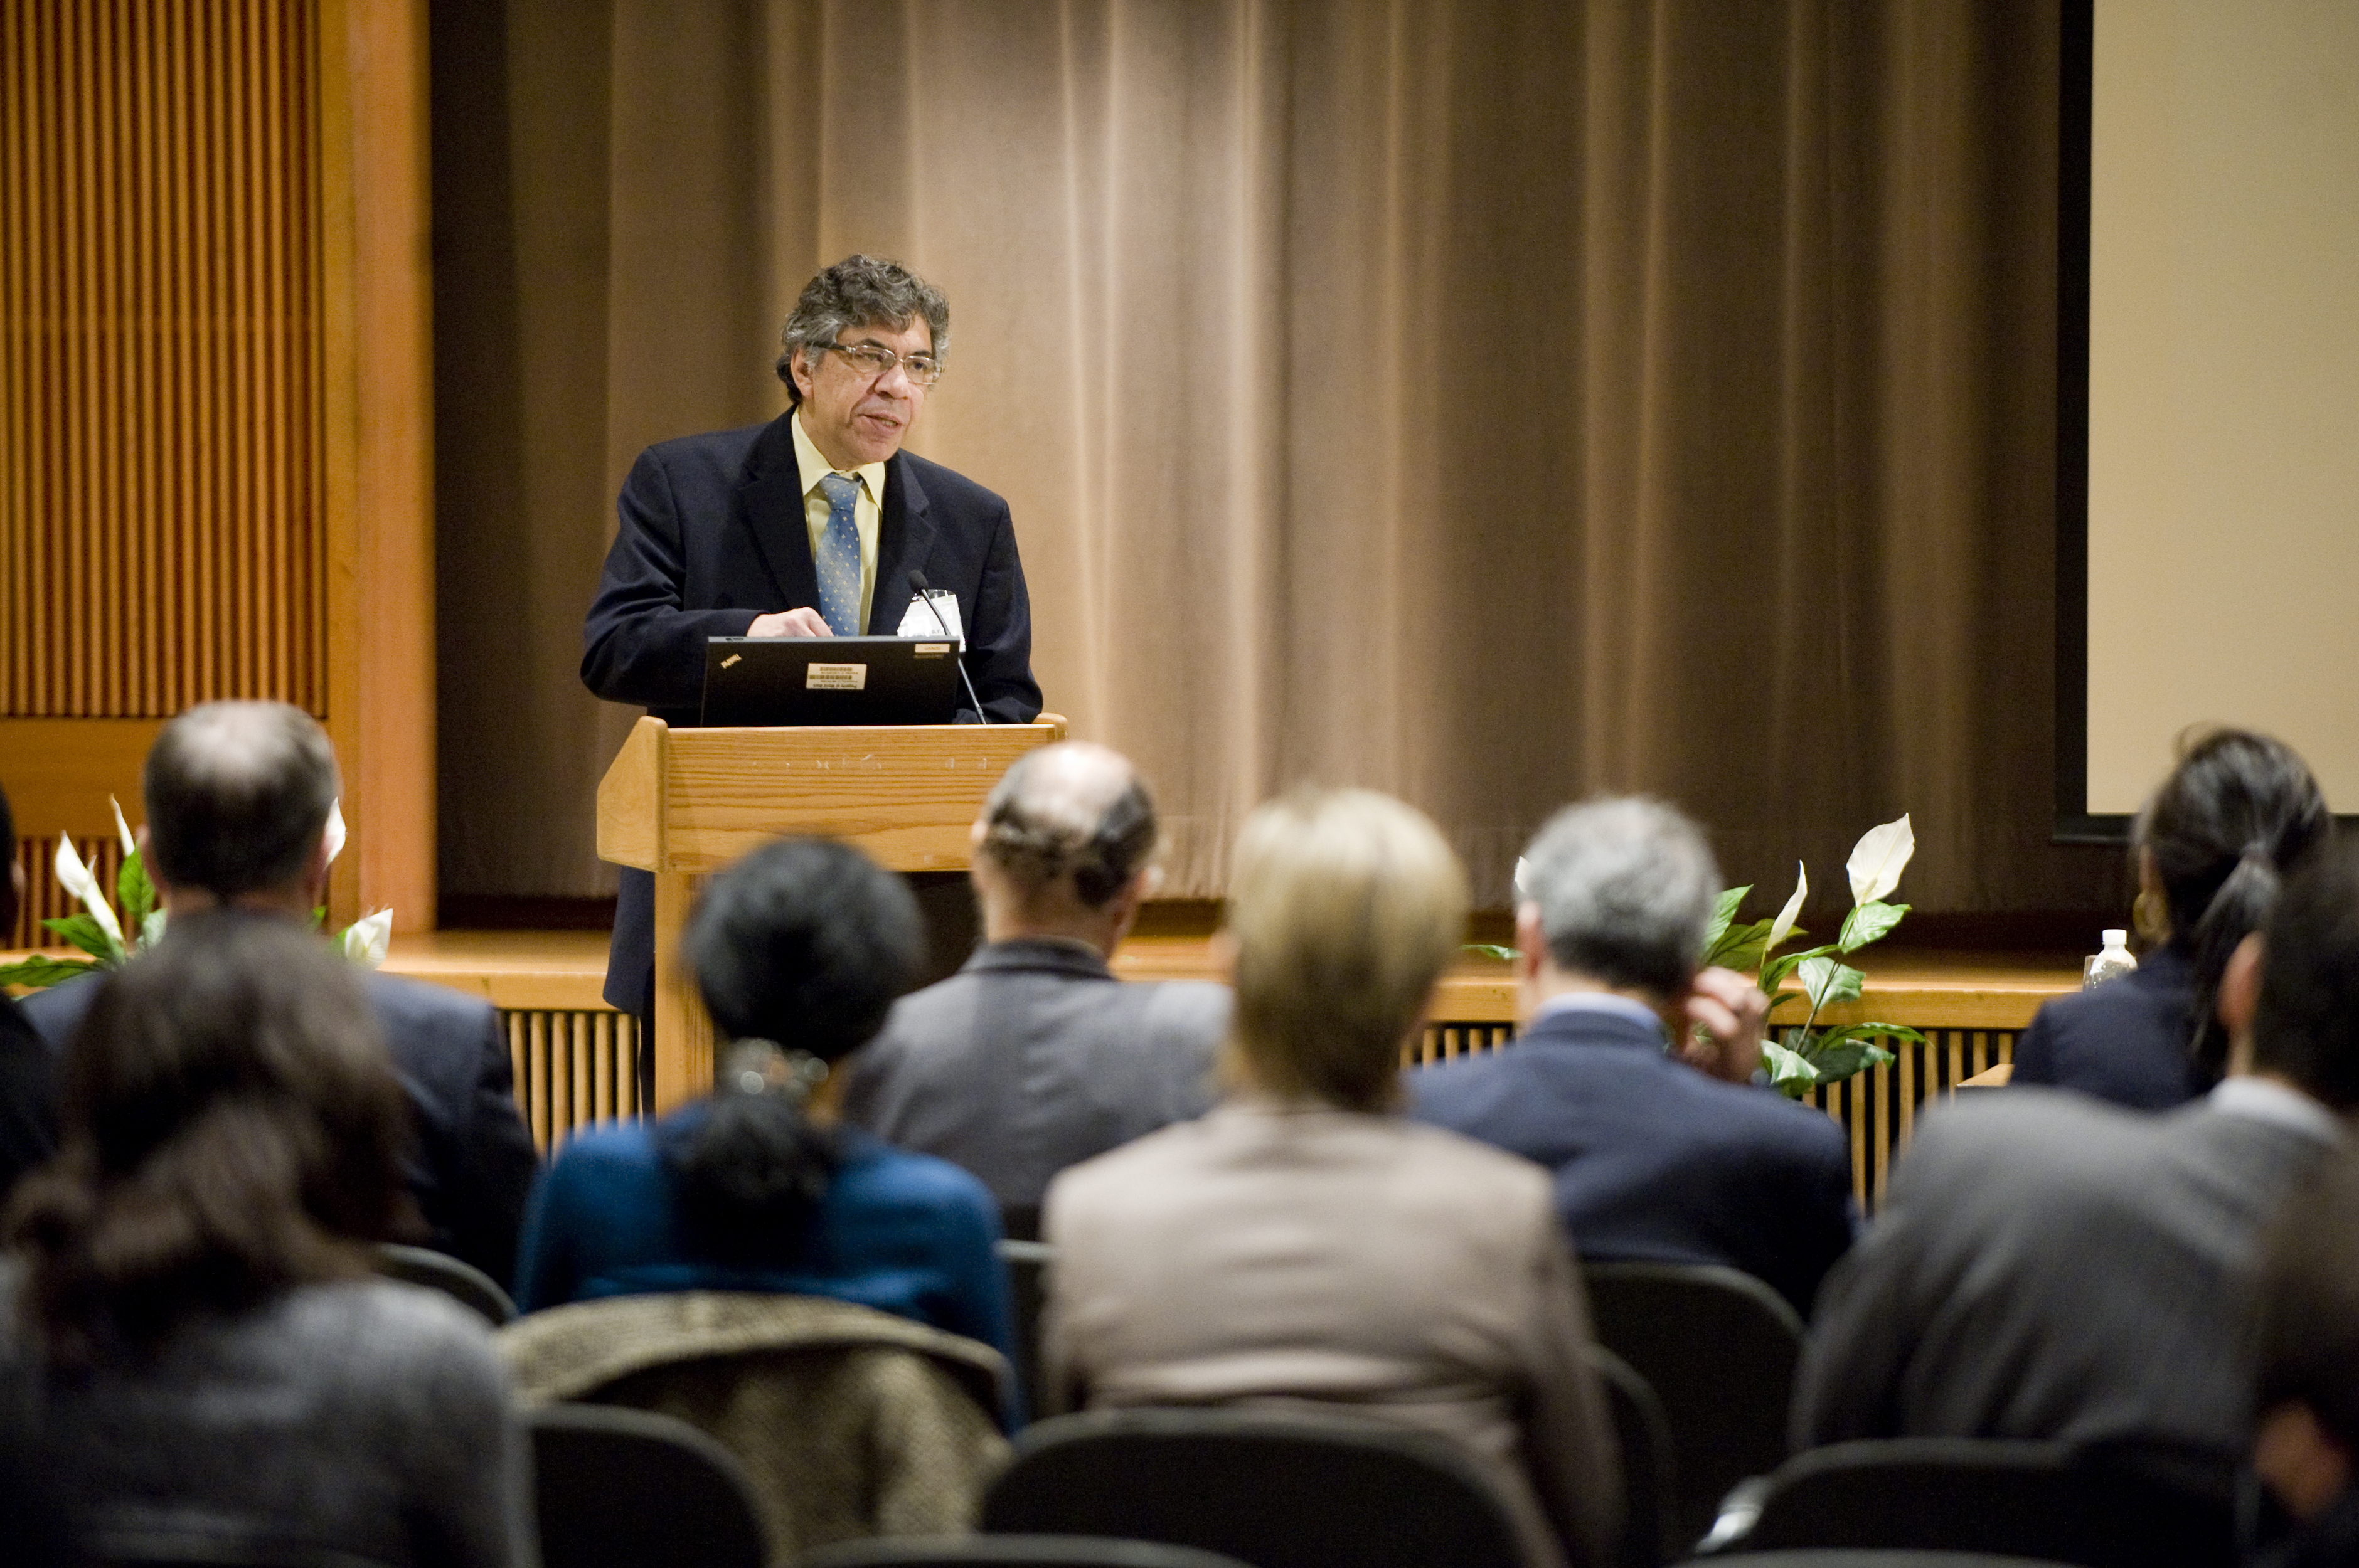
(685,803)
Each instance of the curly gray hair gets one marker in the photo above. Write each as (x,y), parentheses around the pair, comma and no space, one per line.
(860,291)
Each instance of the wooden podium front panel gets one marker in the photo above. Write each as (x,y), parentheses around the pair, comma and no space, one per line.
(906,796)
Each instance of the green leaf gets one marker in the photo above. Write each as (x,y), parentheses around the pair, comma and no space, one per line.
(1778,970)
(1492,950)
(1869,922)
(1876,1031)
(1723,909)
(134,893)
(151,930)
(1779,999)
(1790,1071)
(318,916)
(1829,982)
(1847,1058)
(40,974)
(87,934)
(1739,948)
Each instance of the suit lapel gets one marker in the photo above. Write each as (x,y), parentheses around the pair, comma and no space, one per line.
(770,511)
(905,539)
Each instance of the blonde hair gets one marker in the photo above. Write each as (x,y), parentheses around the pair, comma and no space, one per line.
(1344,906)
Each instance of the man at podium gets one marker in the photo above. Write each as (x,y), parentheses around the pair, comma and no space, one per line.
(811,526)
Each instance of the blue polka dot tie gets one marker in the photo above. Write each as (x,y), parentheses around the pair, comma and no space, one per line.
(839,556)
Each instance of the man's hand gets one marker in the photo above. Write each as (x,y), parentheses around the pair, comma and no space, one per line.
(802,623)
(1734,1016)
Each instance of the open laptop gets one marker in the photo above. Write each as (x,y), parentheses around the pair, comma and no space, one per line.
(829,680)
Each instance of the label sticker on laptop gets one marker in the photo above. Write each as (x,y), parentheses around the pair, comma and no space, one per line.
(732,659)
(930,650)
(836,677)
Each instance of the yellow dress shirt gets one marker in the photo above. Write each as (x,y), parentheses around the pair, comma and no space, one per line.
(865,513)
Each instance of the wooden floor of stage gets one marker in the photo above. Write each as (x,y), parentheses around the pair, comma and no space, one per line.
(563,970)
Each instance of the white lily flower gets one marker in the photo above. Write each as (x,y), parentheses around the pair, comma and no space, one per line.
(1783,925)
(1877,859)
(334,835)
(122,830)
(365,939)
(75,878)
(1521,892)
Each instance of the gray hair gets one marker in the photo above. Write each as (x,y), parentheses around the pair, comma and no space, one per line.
(1071,809)
(860,291)
(1624,887)
(238,794)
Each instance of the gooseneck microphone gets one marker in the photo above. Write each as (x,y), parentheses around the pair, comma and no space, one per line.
(917,583)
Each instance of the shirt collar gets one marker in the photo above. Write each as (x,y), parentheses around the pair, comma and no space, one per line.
(812,467)
(1606,1002)
(2263,1100)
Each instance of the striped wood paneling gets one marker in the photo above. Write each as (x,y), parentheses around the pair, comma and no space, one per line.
(573,1068)
(162,472)
(45,899)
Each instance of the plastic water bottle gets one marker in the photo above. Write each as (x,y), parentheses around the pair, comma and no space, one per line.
(2111,962)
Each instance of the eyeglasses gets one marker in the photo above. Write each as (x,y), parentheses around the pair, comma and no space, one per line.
(873,362)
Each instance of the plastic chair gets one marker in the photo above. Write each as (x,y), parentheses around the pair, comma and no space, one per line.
(2115,1507)
(624,1488)
(1648,1484)
(462,1283)
(1841,1557)
(1719,1348)
(1012,1551)
(1272,1491)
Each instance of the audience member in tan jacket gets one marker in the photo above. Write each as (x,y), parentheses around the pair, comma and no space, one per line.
(1302,1245)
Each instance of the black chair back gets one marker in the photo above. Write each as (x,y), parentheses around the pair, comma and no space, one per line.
(1846,1557)
(1272,1491)
(1648,1484)
(462,1283)
(1012,1551)
(1719,1348)
(2110,1507)
(1028,1264)
(625,1488)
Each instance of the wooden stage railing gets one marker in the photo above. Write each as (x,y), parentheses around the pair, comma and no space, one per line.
(574,1054)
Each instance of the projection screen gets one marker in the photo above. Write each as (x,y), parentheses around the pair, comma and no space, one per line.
(2217,555)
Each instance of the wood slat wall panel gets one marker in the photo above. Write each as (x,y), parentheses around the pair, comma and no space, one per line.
(162,399)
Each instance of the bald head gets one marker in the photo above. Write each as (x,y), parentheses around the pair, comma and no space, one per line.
(1063,844)
(238,794)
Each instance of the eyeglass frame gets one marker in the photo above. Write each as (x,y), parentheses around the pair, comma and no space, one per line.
(856,353)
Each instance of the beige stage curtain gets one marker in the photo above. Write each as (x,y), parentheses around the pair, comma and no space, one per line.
(1487,401)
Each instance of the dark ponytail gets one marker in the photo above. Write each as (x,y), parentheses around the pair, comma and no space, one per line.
(799,950)
(2237,815)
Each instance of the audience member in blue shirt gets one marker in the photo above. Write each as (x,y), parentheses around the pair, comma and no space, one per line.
(798,951)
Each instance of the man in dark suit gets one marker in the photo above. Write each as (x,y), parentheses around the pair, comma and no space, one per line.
(1663,1150)
(808,527)
(239,796)
(28,1086)
(1034,1056)
(2049,1266)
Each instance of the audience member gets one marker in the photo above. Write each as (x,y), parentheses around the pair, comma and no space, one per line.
(1656,1157)
(2234,817)
(1300,1245)
(238,797)
(799,949)
(2048,1266)
(1034,1056)
(29,1095)
(2308,1380)
(188,1326)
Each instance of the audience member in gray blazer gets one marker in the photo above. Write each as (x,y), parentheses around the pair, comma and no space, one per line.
(2048,1266)
(1302,1248)
(1034,1056)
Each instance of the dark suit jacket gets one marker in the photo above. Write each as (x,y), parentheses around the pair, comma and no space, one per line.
(713,535)
(1655,1162)
(473,1163)
(1034,1057)
(2126,1042)
(28,1097)
(2049,1267)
